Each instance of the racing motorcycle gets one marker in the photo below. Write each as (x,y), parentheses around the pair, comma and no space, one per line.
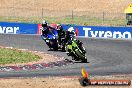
(52,39)
(76,50)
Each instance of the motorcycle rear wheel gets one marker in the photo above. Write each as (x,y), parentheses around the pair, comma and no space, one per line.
(55,48)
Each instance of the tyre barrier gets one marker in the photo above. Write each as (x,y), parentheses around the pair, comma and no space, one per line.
(37,66)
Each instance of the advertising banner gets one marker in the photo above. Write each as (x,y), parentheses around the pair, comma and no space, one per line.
(84,31)
(18,28)
(102,31)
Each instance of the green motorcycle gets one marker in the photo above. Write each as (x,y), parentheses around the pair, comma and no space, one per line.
(76,50)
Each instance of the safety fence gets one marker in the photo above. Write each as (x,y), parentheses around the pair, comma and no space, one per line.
(35,15)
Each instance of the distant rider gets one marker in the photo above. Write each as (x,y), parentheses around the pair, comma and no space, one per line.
(61,34)
(70,34)
(64,36)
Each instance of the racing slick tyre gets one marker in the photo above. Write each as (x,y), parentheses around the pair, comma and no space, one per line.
(64,49)
(55,48)
(84,61)
(75,58)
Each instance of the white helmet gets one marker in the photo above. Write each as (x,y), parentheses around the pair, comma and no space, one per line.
(71,29)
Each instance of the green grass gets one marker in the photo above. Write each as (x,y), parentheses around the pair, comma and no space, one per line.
(78,20)
(10,56)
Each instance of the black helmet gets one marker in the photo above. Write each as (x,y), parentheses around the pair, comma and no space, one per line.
(59,27)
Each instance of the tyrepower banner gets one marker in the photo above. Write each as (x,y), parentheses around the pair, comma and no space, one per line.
(18,28)
(102,31)
(84,31)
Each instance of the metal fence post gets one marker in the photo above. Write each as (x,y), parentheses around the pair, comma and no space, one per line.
(103,18)
(42,14)
(72,15)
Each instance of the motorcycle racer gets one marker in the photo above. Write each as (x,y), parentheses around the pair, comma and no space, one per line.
(45,29)
(60,34)
(70,34)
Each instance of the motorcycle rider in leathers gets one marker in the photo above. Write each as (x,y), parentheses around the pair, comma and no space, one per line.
(45,29)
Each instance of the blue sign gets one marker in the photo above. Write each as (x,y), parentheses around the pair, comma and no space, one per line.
(102,31)
(85,31)
(18,28)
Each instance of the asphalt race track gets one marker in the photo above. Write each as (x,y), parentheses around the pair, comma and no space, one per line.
(106,57)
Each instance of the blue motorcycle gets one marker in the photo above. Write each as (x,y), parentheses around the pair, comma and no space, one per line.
(51,39)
